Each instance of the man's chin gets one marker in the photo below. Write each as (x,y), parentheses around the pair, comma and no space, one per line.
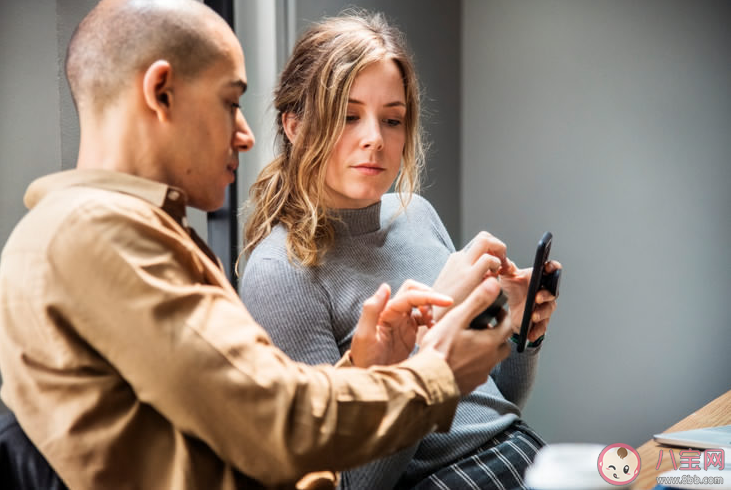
(208,205)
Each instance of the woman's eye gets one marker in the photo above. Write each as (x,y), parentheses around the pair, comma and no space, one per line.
(351,118)
(626,469)
(393,122)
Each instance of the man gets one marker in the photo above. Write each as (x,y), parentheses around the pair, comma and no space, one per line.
(127,357)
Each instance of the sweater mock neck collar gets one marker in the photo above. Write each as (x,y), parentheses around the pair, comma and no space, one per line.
(356,222)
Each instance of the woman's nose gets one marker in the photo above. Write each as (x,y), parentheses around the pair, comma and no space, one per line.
(372,137)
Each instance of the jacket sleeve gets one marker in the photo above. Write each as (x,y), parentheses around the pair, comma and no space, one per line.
(192,351)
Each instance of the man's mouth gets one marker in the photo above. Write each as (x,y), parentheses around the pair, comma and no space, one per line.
(231,168)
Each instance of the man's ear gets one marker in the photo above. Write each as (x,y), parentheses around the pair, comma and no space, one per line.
(290,123)
(157,88)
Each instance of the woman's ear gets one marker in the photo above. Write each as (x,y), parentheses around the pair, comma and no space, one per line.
(157,89)
(290,123)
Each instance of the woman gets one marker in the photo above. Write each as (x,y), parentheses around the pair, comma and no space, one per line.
(324,233)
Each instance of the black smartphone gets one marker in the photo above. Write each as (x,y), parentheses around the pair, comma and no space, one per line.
(492,315)
(538,280)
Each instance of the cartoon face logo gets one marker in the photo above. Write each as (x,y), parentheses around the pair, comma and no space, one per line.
(619,464)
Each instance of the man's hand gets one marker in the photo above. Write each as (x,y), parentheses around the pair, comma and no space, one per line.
(471,354)
(484,256)
(386,331)
(515,284)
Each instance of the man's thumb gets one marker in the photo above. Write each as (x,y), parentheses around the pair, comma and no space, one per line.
(373,306)
(479,299)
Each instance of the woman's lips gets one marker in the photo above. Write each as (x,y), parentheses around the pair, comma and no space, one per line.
(369,168)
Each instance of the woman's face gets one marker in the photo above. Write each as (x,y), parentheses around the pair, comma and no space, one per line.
(366,159)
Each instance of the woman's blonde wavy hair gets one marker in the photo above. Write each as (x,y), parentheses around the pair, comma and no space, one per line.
(314,87)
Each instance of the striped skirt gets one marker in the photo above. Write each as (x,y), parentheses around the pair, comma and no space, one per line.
(500,464)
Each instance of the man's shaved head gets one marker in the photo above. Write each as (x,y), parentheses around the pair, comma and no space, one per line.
(119,39)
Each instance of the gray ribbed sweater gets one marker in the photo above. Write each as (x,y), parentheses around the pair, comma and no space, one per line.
(311,313)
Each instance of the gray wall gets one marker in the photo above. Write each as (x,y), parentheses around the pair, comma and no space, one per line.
(432,29)
(262,30)
(29,97)
(609,124)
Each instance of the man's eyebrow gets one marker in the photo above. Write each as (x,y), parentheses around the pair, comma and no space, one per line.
(396,103)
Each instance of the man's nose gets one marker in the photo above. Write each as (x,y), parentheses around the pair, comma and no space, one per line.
(243,137)
(372,138)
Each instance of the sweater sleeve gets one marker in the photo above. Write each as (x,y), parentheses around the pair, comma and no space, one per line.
(292,308)
(516,375)
(287,301)
(436,222)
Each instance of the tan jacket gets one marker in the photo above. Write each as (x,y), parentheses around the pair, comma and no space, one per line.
(131,362)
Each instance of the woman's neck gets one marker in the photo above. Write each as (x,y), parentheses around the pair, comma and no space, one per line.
(360,221)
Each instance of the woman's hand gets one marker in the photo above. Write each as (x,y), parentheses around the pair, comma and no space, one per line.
(483,257)
(515,283)
(386,330)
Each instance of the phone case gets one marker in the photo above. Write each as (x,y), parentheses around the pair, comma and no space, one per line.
(536,281)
